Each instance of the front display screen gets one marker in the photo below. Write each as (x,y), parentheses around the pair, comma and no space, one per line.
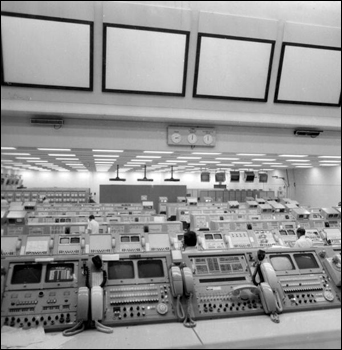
(120,270)
(150,269)
(26,274)
(59,273)
(282,263)
(306,261)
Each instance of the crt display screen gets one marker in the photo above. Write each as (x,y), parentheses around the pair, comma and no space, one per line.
(59,273)
(306,261)
(26,274)
(120,270)
(282,263)
(150,269)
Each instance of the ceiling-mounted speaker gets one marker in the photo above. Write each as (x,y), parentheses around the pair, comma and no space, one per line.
(235,176)
(249,176)
(263,177)
(220,177)
(205,177)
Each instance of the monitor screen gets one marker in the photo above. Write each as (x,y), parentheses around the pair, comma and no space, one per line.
(125,239)
(217,236)
(235,176)
(306,261)
(26,274)
(282,263)
(150,269)
(205,177)
(220,177)
(59,272)
(120,270)
(208,237)
(135,239)
(283,232)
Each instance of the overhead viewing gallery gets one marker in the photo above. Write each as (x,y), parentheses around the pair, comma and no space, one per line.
(171,167)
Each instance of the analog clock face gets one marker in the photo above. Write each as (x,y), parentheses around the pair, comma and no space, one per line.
(192,138)
(176,137)
(208,139)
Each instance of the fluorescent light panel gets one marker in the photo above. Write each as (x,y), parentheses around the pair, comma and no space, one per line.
(55,149)
(61,155)
(107,150)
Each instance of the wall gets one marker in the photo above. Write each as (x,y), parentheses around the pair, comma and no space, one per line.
(94,180)
(318,187)
(27,101)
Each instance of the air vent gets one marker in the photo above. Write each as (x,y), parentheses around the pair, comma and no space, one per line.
(47,122)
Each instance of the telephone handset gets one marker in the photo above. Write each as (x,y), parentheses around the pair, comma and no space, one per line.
(188,281)
(188,288)
(228,241)
(272,280)
(176,281)
(143,242)
(271,293)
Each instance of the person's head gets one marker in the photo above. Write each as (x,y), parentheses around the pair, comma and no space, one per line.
(91,217)
(300,232)
(190,239)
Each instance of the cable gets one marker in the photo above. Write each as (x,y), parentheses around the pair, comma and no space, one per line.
(104,281)
(102,328)
(74,330)
(179,309)
(188,321)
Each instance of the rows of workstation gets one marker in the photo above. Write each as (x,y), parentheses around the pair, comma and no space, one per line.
(135,271)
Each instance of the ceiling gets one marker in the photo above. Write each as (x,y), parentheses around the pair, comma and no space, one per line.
(90,160)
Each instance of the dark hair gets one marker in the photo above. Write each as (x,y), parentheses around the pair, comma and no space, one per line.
(190,239)
(91,217)
(301,232)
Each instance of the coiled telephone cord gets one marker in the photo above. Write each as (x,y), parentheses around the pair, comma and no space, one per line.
(180,309)
(188,321)
(78,328)
(102,328)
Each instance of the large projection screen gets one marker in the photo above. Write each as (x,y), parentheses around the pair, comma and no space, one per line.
(233,68)
(309,75)
(46,52)
(145,60)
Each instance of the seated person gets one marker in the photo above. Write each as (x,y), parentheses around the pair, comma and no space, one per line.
(190,241)
(302,241)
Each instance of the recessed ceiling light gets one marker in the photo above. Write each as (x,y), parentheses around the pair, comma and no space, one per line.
(67,158)
(55,149)
(105,156)
(107,150)
(279,166)
(176,161)
(158,152)
(16,154)
(26,158)
(242,163)
(189,158)
(209,162)
(141,160)
(8,148)
(253,166)
(227,158)
(293,156)
(263,160)
(298,160)
(325,164)
(330,157)
(149,157)
(206,154)
(330,161)
(250,155)
(61,155)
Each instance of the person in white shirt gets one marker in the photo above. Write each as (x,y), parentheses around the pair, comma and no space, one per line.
(93,225)
(302,241)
